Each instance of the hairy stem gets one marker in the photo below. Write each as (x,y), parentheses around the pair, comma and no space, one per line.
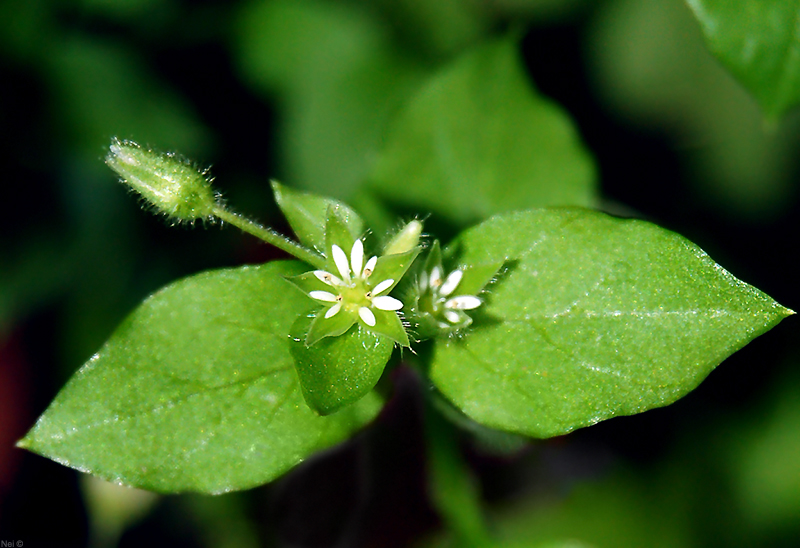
(270,236)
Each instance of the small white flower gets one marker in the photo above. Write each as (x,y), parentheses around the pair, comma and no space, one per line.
(352,290)
(446,308)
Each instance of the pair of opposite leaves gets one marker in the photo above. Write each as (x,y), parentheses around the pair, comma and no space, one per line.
(593,317)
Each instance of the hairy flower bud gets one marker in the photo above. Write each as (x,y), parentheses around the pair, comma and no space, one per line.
(405,240)
(170,184)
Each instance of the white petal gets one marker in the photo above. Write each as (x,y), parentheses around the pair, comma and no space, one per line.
(387,303)
(436,277)
(423,282)
(367,315)
(369,267)
(452,316)
(322,296)
(357,258)
(383,286)
(332,311)
(463,302)
(451,283)
(327,278)
(340,259)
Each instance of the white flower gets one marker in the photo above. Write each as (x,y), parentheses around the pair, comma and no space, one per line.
(440,290)
(352,289)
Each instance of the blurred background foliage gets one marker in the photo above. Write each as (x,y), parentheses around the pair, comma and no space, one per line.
(311,92)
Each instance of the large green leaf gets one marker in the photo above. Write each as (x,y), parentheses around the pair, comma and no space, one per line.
(757,40)
(196,391)
(477,140)
(337,371)
(594,317)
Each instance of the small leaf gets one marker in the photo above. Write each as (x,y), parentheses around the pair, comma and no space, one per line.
(477,140)
(196,391)
(338,371)
(594,317)
(757,42)
(307,214)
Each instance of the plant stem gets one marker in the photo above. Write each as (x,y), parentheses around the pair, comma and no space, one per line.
(270,236)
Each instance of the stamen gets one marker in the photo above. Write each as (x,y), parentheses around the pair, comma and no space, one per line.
(369,267)
(327,278)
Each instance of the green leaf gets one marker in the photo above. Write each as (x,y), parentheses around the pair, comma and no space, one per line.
(594,317)
(196,391)
(756,41)
(335,76)
(338,371)
(477,140)
(307,214)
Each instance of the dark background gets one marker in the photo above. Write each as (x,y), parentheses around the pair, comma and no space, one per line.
(676,140)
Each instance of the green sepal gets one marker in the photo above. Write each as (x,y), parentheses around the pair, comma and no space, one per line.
(308,282)
(336,372)
(393,267)
(389,324)
(308,213)
(434,257)
(476,277)
(337,232)
(334,326)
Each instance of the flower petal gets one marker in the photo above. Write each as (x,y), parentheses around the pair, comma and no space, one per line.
(452,316)
(333,310)
(436,277)
(327,278)
(369,267)
(451,283)
(367,316)
(423,282)
(323,296)
(463,302)
(387,303)
(340,259)
(383,286)
(357,258)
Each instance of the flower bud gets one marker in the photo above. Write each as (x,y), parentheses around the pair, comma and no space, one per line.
(405,240)
(170,184)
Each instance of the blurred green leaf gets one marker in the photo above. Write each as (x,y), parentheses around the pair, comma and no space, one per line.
(337,78)
(337,371)
(103,89)
(477,140)
(620,511)
(764,461)
(595,317)
(196,391)
(453,488)
(651,67)
(436,29)
(757,41)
